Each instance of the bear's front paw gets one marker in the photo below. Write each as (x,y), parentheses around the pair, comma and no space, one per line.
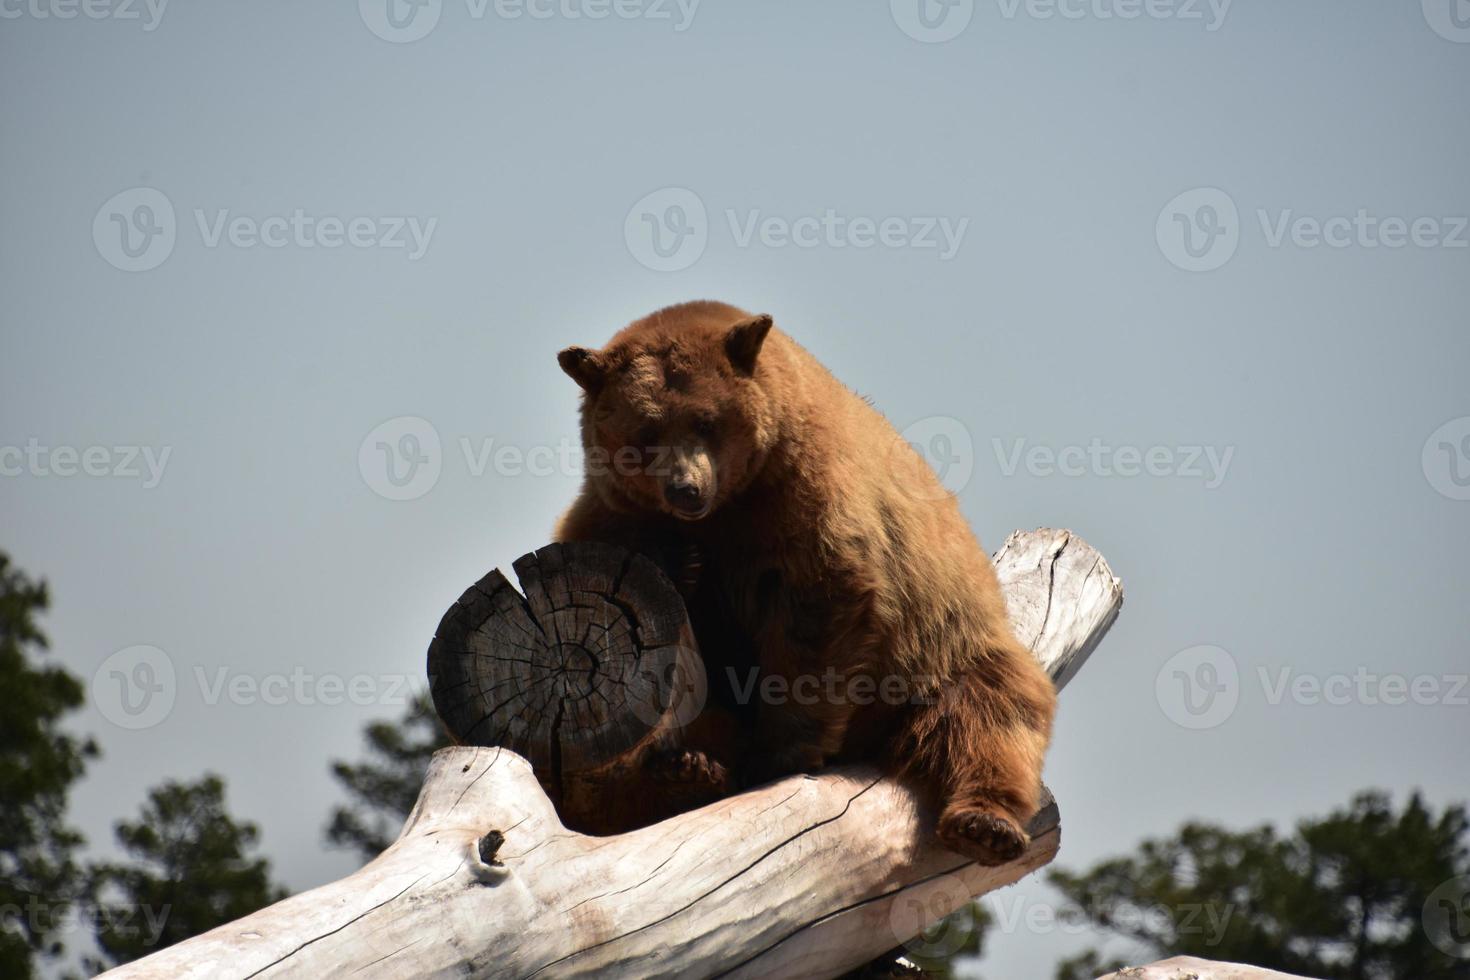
(984,836)
(687,767)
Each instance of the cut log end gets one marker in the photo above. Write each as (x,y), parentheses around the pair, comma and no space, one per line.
(594,659)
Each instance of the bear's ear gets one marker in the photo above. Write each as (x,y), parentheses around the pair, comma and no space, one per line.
(743,342)
(586,367)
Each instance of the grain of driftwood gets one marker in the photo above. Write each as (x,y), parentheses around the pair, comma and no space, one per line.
(805,877)
(1189,968)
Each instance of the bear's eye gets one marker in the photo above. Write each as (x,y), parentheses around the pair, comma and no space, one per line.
(704,427)
(646,437)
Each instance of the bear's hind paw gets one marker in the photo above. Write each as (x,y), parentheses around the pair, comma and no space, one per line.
(984,836)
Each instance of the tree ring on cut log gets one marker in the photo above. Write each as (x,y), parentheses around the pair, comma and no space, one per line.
(594,659)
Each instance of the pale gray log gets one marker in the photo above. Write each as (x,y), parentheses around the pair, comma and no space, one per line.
(1189,968)
(805,877)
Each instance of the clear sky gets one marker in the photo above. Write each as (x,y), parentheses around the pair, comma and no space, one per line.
(1188,279)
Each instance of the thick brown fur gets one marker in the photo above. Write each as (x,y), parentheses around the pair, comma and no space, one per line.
(827,548)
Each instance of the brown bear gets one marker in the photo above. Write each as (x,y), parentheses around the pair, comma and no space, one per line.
(827,556)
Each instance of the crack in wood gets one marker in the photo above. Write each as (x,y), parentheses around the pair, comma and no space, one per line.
(699,898)
(460,799)
(316,939)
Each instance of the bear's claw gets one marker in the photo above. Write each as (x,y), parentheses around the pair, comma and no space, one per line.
(984,836)
(685,766)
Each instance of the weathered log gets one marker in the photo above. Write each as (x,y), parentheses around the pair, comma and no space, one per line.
(804,877)
(1189,968)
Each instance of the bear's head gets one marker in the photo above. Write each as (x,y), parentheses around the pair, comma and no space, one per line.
(676,415)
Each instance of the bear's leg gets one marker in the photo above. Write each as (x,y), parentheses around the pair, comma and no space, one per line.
(700,755)
(672,774)
(796,736)
(980,821)
(980,745)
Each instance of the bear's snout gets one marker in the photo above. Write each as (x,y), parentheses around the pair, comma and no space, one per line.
(689,486)
(684,497)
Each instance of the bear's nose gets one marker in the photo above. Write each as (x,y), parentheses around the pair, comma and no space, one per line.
(683,495)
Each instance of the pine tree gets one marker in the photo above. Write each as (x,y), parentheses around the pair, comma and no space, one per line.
(40,881)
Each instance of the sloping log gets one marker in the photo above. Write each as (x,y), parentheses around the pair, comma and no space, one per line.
(804,877)
(1189,968)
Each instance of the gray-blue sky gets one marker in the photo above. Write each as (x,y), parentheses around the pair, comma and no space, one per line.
(1061,319)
